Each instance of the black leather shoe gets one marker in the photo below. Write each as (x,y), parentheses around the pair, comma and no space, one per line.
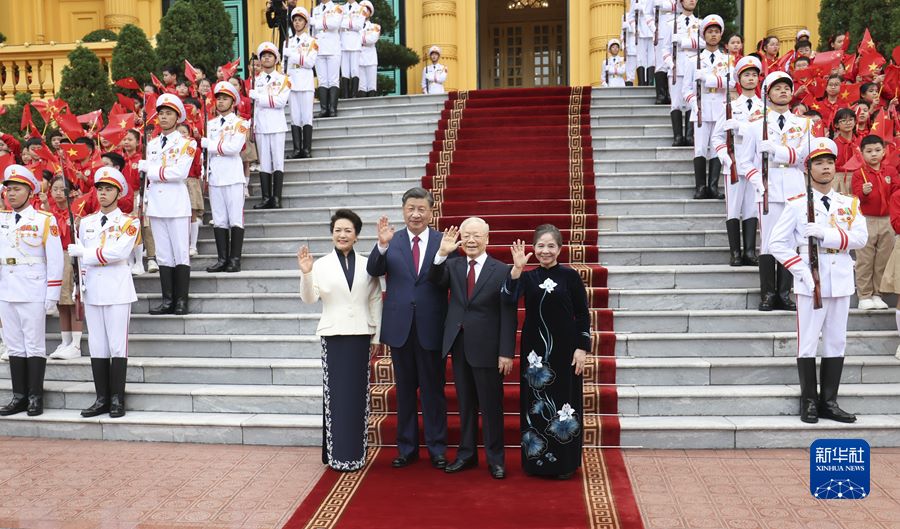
(439,462)
(565,476)
(402,461)
(459,465)
(497,471)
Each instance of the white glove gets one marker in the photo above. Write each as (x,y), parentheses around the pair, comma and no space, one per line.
(669,63)
(756,181)
(723,157)
(49,304)
(726,162)
(768,146)
(253,93)
(204,143)
(813,230)
(75,250)
(804,275)
(142,166)
(731,124)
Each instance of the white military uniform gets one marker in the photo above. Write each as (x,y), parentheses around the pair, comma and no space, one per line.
(740,198)
(300,53)
(845,230)
(640,18)
(227,136)
(31,269)
(271,93)
(786,166)
(433,78)
(714,69)
(686,46)
(326,23)
(169,159)
(615,68)
(368,59)
(351,39)
(108,240)
(667,13)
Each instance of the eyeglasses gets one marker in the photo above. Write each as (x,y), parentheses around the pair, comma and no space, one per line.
(847,120)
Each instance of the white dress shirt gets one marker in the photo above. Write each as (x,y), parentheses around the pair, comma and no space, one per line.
(479,263)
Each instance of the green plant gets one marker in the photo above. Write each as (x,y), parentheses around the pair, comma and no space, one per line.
(85,85)
(196,30)
(133,56)
(392,55)
(99,35)
(386,85)
(727,9)
(11,120)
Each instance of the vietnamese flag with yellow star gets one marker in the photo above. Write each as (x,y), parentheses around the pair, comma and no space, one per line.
(849,94)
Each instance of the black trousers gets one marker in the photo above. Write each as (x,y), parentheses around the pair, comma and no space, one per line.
(478,387)
(417,368)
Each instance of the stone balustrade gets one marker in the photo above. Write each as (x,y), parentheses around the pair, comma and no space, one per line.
(37,68)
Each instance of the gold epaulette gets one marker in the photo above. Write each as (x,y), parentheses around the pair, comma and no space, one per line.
(45,213)
(801,195)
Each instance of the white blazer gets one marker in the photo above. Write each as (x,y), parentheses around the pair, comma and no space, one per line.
(344,311)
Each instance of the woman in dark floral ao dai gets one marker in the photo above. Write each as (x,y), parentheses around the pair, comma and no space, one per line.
(555,339)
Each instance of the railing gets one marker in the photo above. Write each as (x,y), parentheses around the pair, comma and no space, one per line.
(37,68)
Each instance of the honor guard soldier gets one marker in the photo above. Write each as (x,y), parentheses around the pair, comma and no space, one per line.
(613,72)
(629,50)
(169,159)
(327,24)
(667,12)
(435,74)
(786,147)
(225,139)
(300,52)
(105,242)
(351,44)
(705,90)
(31,268)
(740,198)
(368,58)
(640,20)
(838,228)
(270,95)
(680,56)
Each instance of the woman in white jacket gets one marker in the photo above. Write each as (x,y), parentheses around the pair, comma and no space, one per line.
(300,53)
(435,74)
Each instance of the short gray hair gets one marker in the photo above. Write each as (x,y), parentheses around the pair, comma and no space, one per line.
(418,192)
(544,229)
(475,220)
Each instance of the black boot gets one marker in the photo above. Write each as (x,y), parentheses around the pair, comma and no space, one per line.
(641,79)
(237,245)
(830,376)
(100,370)
(700,178)
(733,226)
(265,187)
(688,129)
(182,287)
(354,87)
(307,141)
(767,293)
(18,374)
(666,84)
(651,76)
(117,370)
(36,367)
(322,94)
(371,93)
(345,88)
(332,101)
(166,281)
(297,140)
(278,184)
(221,235)
(785,282)
(712,179)
(677,128)
(660,80)
(806,367)
(748,228)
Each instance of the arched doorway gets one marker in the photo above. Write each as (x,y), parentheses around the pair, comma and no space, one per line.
(522,43)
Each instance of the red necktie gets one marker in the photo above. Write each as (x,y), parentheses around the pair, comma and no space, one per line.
(415,251)
(470,279)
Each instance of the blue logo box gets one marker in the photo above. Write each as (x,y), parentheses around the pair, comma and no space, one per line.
(839,469)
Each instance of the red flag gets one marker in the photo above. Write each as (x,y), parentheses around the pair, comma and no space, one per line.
(190,72)
(113,134)
(82,205)
(891,85)
(2,109)
(26,118)
(6,160)
(126,102)
(74,151)
(866,45)
(883,126)
(846,43)
(855,162)
(128,83)
(849,62)
(782,64)
(869,64)
(70,126)
(44,153)
(825,62)
(819,129)
(122,121)
(157,83)
(849,94)
(895,55)
(94,119)
(150,103)
(230,69)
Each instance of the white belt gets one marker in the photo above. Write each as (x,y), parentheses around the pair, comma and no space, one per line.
(804,250)
(11,261)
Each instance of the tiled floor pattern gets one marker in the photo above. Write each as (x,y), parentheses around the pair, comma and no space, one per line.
(754,489)
(61,484)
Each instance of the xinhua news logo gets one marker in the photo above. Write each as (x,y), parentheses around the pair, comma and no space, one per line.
(839,469)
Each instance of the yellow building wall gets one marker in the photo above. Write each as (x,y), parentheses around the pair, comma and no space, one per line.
(45,21)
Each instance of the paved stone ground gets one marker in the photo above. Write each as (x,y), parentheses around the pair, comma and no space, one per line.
(48,483)
(754,489)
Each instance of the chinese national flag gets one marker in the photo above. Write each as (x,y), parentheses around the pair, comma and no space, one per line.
(113,134)
(891,87)
(825,62)
(870,63)
(855,162)
(866,45)
(230,69)
(69,125)
(122,121)
(44,153)
(883,126)
(6,160)
(819,129)
(849,62)
(94,120)
(126,102)
(849,94)
(158,84)
(782,64)
(190,72)
(128,83)
(26,118)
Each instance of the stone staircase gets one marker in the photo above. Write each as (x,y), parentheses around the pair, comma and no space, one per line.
(244,367)
(698,365)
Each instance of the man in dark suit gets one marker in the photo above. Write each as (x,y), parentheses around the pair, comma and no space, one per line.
(480,330)
(412,324)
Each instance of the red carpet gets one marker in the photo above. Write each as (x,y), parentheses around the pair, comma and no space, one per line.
(516,158)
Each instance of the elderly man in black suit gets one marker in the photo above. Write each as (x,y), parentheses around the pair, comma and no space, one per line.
(480,330)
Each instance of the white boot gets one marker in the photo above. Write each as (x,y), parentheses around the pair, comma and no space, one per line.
(195,234)
(71,352)
(866,304)
(66,342)
(879,303)
(152,267)
(4,354)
